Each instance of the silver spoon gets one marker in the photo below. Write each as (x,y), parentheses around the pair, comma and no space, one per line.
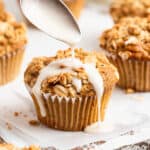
(53,18)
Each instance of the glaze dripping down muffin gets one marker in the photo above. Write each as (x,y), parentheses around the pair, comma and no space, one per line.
(69,96)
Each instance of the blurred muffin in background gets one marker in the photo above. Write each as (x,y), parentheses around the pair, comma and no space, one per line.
(4,15)
(12,45)
(127,45)
(75,6)
(124,8)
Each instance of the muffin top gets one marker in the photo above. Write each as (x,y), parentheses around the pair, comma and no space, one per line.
(124,8)
(75,82)
(12,36)
(130,38)
(12,147)
(6,16)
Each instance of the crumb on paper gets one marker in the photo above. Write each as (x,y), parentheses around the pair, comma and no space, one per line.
(16,114)
(129,91)
(34,122)
(25,116)
(100,142)
(9,126)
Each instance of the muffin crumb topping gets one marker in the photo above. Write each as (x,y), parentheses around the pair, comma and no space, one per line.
(125,8)
(74,83)
(12,33)
(130,38)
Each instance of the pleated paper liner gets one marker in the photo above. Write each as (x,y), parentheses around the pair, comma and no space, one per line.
(10,66)
(75,6)
(70,114)
(134,74)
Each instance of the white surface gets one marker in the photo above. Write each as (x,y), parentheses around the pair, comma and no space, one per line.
(125,112)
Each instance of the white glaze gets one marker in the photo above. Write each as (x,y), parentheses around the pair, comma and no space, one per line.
(131,40)
(52,17)
(54,69)
(77,83)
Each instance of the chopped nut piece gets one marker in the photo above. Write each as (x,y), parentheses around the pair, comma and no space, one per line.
(34,122)
(60,90)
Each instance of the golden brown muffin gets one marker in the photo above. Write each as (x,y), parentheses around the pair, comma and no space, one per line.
(75,6)
(66,106)
(129,8)
(128,47)
(1,5)
(12,147)
(12,44)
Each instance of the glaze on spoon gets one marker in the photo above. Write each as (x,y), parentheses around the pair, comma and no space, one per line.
(53,18)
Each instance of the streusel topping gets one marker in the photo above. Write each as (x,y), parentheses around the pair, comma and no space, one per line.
(12,36)
(63,84)
(124,8)
(130,38)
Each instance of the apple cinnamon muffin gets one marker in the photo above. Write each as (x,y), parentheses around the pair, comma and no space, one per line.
(75,6)
(12,44)
(127,45)
(129,8)
(71,90)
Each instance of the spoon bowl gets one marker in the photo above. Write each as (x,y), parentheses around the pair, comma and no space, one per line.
(54,18)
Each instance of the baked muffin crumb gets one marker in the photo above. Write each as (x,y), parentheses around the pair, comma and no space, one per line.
(129,8)
(130,38)
(34,122)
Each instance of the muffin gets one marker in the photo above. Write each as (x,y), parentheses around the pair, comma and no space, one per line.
(67,98)
(127,46)
(129,8)
(75,6)
(1,5)
(12,45)
(12,147)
